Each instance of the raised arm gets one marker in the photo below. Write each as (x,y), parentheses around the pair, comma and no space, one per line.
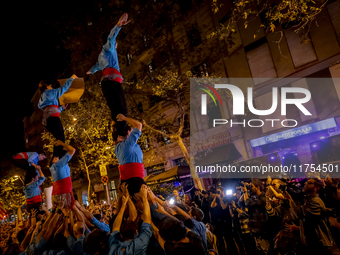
(180,211)
(146,207)
(118,221)
(111,39)
(276,194)
(67,147)
(110,44)
(87,214)
(66,231)
(223,205)
(25,241)
(89,219)
(35,231)
(213,203)
(131,207)
(40,172)
(62,89)
(78,214)
(45,226)
(134,123)
(53,223)
(33,217)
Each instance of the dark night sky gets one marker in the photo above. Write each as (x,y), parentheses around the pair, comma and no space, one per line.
(31,50)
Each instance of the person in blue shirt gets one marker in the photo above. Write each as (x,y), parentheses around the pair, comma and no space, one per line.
(130,156)
(111,79)
(49,103)
(61,176)
(32,190)
(25,160)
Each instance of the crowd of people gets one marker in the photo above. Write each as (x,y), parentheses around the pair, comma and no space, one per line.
(274,217)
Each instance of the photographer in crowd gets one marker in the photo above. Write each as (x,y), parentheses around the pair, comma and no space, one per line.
(256,205)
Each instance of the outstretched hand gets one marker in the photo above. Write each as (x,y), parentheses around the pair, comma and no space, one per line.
(123,20)
(144,191)
(124,189)
(33,212)
(125,199)
(292,227)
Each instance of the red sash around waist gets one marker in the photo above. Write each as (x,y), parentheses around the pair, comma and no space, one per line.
(21,155)
(62,186)
(35,199)
(112,74)
(57,114)
(130,170)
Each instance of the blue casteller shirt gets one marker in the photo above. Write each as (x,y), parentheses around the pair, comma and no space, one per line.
(32,157)
(108,57)
(129,151)
(50,97)
(76,246)
(102,225)
(137,246)
(32,189)
(60,170)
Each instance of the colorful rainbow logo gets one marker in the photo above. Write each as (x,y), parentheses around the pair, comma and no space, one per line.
(209,93)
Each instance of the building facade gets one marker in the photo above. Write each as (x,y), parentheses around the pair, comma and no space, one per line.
(253,54)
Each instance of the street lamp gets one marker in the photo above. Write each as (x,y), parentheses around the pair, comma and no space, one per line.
(18,177)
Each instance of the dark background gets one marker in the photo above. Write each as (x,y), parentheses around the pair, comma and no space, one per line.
(32,51)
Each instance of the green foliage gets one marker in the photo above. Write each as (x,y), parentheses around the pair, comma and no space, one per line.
(11,193)
(300,13)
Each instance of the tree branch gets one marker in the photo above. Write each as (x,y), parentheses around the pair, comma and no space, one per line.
(159,132)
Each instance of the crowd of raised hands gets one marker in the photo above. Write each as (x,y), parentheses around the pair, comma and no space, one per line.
(255,221)
(127,226)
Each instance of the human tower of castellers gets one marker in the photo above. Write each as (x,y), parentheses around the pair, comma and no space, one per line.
(271,217)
